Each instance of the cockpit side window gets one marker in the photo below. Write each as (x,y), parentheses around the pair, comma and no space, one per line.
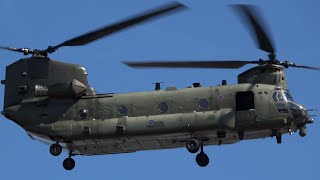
(293,106)
(280,97)
(296,110)
(274,96)
(282,108)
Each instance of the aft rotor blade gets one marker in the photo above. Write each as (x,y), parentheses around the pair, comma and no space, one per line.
(191,64)
(257,26)
(110,29)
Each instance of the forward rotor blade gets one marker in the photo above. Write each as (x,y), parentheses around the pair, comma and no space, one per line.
(110,29)
(257,26)
(305,67)
(10,49)
(25,51)
(191,64)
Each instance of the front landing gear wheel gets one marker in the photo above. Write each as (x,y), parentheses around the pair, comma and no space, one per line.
(303,132)
(69,164)
(202,159)
(55,149)
(193,145)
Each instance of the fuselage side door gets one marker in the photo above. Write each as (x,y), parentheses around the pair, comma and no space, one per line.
(245,110)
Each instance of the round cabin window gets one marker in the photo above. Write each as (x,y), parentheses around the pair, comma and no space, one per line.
(203,104)
(83,113)
(123,110)
(163,107)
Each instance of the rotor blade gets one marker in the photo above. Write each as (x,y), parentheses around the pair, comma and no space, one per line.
(25,51)
(305,67)
(10,49)
(107,30)
(191,64)
(257,26)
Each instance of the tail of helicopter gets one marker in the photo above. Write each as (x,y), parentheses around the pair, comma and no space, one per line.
(34,79)
(31,81)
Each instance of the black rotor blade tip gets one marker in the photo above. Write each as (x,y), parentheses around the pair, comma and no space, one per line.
(121,25)
(252,18)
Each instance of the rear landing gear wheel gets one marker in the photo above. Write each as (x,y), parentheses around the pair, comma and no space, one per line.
(55,149)
(69,164)
(202,159)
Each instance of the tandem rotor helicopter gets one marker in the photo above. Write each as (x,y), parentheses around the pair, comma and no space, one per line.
(54,103)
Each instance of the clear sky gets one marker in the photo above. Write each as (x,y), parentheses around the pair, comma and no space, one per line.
(209,30)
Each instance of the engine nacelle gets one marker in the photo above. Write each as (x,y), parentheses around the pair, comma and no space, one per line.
(74,90)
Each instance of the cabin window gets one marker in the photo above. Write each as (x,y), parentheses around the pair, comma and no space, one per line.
(244,101)
(123,110)
(203,104)
(83,113)
(163,107)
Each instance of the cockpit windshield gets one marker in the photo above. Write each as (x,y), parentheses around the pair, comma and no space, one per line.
(285,104)
(282,95)
(288,95)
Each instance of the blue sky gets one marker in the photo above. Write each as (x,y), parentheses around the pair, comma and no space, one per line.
(208,30)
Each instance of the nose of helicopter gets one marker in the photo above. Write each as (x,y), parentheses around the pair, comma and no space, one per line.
(301,117)
(308,119)
(306,115)
(300,114)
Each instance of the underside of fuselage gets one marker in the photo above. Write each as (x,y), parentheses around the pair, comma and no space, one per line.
(126,144)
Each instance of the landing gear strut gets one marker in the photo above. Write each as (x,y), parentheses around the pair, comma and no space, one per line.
(69,163)
(193,146)
(279,139)
(202,158)
(55,149)
(278,135)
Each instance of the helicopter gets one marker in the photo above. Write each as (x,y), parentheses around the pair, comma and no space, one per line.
(54,103)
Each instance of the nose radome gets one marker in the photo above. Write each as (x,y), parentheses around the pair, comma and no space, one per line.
(305,114)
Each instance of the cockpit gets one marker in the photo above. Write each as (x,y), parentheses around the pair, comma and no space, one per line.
(285,104)
(281,95)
